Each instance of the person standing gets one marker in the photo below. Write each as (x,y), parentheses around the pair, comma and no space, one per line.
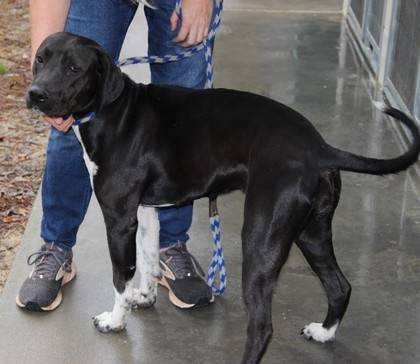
(66,189)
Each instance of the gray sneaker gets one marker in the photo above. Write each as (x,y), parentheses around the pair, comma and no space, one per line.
(184,278)
(41,291)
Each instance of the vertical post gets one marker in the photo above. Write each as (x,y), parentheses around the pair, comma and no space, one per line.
(384,47)
(416,109)
(346,4)
(365,20)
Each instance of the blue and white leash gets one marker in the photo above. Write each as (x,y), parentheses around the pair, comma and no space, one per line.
(206,45)
(217,264)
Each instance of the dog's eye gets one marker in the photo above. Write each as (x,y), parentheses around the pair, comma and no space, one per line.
(74,69)
(39,59)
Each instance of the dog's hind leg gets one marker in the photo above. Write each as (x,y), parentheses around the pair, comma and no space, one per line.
(315,242)
(121,231)
(147,245)
(272,221)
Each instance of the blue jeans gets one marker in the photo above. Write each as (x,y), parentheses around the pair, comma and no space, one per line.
(66,189)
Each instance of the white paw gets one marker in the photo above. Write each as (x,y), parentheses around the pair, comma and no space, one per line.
(319,333)
(106,323)
(144,299)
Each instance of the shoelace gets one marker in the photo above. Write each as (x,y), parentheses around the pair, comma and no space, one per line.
(184,262)
(45,268)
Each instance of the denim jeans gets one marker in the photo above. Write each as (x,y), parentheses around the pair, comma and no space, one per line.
(66,189)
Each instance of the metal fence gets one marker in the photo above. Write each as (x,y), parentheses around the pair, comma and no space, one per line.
(388,34)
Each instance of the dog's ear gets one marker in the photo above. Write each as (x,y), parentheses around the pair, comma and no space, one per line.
(110,80)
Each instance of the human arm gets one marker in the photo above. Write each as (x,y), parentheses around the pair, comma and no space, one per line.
(196,18)
(48,17)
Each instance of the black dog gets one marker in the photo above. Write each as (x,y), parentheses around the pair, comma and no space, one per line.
(151,146)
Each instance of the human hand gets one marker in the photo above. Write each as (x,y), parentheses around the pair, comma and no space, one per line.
(60,124)
(196,17)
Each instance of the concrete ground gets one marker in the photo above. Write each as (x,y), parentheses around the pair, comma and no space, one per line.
(295,52)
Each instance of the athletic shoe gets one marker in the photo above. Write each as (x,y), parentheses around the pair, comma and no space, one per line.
(41,291)
(184,278)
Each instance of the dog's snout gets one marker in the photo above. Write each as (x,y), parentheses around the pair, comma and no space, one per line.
(37,95)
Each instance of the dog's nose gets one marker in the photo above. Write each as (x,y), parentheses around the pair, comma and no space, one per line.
(37,95)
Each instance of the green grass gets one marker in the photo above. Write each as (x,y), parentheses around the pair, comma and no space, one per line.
(3,69)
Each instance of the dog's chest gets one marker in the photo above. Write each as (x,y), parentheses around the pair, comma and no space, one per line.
(90,165)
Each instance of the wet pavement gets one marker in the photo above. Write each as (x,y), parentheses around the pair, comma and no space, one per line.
(303,59)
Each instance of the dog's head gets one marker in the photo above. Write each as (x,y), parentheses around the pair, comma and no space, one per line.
(72,75)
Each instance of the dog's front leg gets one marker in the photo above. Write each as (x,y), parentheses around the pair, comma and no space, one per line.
(116,320)
(121,233)
(147,246)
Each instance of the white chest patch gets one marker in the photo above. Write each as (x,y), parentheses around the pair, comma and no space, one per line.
(90,165)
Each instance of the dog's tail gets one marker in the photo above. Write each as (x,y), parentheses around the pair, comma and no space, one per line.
(336,158)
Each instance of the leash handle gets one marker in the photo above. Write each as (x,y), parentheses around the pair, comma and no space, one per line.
(206,45)
(217,264)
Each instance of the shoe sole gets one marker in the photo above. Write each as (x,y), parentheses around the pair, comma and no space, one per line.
(31,306)
(179,303)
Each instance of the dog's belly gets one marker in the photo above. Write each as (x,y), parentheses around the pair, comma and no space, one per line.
(169,191)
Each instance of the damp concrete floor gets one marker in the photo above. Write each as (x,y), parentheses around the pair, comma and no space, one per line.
(298,53)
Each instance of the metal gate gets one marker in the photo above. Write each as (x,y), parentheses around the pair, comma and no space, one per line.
(388,33)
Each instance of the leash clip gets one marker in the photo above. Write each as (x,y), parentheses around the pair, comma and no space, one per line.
(213,211)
